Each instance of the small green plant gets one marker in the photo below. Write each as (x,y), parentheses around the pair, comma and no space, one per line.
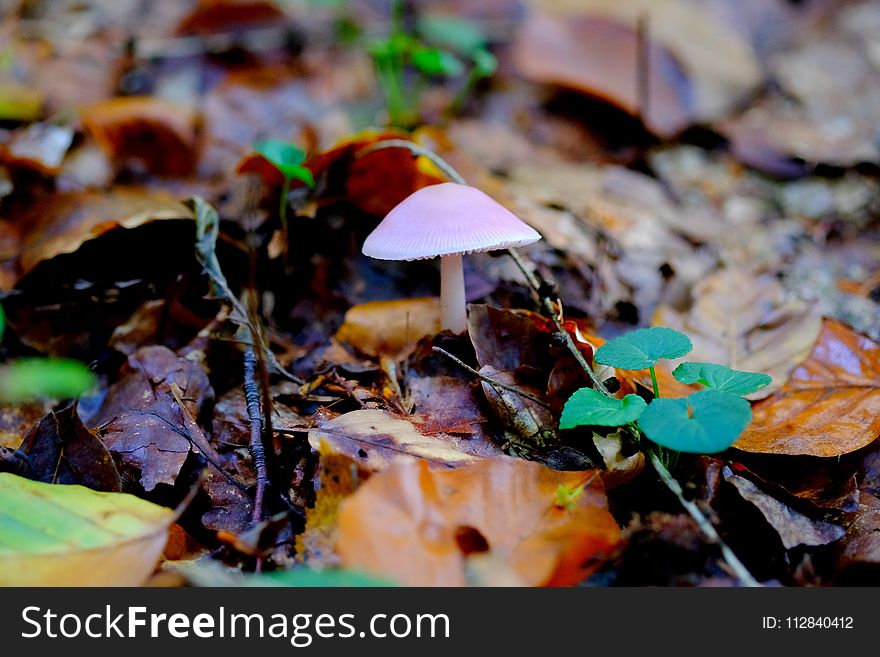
(288,160)
(705,422)
(439,47)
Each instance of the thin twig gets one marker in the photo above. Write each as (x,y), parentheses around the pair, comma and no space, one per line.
(255,416)
(492,382)
(547,302)
(705,526)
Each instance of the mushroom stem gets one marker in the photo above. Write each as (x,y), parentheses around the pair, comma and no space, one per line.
(453,313)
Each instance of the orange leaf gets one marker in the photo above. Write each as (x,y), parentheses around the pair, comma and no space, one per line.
(374,182)
(161,135)
(418,526)
(390,327)
(830,405)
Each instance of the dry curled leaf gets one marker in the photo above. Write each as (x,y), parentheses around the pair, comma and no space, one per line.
(65,221)
(793,527)
(746,322)
(418,526)
(830,405)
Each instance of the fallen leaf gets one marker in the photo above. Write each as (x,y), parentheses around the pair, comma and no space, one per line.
(62,450)
(161,135)
(374,182)
(450,405)
(690,32)
(374,439)
(66,221)
(526,421)
(57,535)
(860,546)
(17,419)
(793,527)
(212,16)
(746,322)
(39,146)
(140,420)
(418,526)
(830,405)
(390,327)
(600,57)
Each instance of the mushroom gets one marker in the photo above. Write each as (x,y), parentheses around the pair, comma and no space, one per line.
(447,220)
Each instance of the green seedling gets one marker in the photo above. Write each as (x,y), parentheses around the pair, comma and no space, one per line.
(438,47)
(288,160)
(591,407)
(721,377)
(705,422)
(642,350)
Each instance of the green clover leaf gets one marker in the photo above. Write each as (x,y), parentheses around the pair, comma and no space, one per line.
(642,348)
(720,377)
(590,407)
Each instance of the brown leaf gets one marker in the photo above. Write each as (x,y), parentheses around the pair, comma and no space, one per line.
(17,419)
(861,545)
(748,323)
(447,404)
(140,420)
(830,405)
(527,420)
(418,526)
(374,439)
(161,135)
(211,16)
(599,57)
(793,527)
(65,221)
(390,327)
(61,450)
(688,32)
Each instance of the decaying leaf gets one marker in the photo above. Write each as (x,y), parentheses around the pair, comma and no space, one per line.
(524,419)
(374,439)
(830,405)
(140,420)
(390,327)
(62,450)
(861,545)
(418,526)
(67,535)
(793,527)
(747,323)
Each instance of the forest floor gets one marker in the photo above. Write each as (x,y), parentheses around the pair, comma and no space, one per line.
(185,190)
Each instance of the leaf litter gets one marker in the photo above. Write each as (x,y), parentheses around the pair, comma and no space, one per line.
(300,398)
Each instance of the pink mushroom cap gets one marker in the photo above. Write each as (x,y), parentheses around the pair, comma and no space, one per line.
(446,219)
